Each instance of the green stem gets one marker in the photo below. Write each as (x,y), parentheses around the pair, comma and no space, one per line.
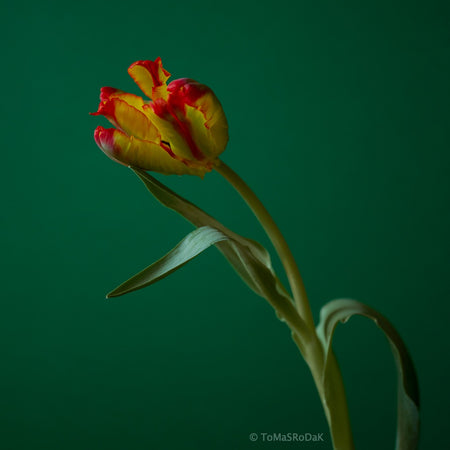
(278,241)
(332,394)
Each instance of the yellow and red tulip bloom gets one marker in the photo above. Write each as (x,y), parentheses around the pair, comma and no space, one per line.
(181,130)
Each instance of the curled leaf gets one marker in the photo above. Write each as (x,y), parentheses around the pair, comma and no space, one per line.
(408,391)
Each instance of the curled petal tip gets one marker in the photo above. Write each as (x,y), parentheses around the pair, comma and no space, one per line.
(104,138)
(106,92)
(151,77)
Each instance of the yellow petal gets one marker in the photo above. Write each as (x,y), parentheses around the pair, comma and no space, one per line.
(203,114)
(216,121)
(212,140)
(174,131)
(151,77)
(108,93)
(127,112)
(130,120)
(139,153)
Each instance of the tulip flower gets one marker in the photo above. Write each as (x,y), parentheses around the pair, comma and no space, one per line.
(182,129)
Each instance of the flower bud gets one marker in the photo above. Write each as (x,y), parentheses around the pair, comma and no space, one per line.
(181,130)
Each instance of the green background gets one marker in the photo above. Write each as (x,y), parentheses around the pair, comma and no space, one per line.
(338,116)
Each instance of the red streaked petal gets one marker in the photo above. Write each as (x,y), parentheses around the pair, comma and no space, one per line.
(104,138)
(128,119)
(189,90)
(108,93)
(151,77)
(175,130)
(202,112)
(146,155)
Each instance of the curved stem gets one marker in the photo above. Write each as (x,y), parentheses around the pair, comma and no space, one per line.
(332,394)
(277,239)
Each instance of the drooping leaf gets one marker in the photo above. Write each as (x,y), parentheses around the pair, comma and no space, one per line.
(249,259)
(408,391)
(199,218)
(191,246)
(263,277)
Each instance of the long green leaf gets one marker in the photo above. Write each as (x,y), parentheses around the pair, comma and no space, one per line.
(408,391)
(249,259)
(200,218)
(190,247)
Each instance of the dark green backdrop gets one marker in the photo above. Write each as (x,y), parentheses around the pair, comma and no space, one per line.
(338,117)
